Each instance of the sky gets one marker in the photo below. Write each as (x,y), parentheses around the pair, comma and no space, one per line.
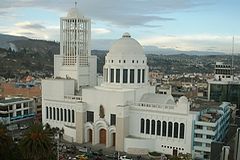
(202,25)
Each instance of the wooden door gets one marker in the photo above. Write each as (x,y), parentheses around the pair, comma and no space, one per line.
(102,136)
(174,152)
(90,136)
(114,139)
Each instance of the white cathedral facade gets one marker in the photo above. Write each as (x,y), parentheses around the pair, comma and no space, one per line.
(123,111)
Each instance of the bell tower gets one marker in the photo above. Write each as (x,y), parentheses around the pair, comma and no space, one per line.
(75,60)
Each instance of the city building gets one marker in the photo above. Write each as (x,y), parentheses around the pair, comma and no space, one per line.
(210,126)
(28,88)
(20,89)
(16,110)
(224,86)
(123,111)
(237,145)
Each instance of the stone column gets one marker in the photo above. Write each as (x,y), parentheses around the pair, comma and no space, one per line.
(80,120)
(122,126)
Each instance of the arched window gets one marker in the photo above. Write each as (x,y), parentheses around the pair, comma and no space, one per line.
(147,126)
(182,128)
(58,114)
(142,126)
(61,114)
(65,115)
(175,134)
(164,128)
(54,113)
(170,125)
(50,112)
(73,116)
(69,115)
(158,128)
(47,112)
(153,127)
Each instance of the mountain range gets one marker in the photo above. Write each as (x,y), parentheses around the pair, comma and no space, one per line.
(17,43)
(20,56)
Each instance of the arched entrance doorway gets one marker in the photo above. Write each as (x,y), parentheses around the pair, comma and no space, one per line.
(102,136)
(90,135)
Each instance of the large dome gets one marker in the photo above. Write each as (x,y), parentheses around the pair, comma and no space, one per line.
(74,13)
(126,46)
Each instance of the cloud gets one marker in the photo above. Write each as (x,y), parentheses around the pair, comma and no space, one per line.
(203,42)
(30,25)
(122,12)
(100,31)
(35,30)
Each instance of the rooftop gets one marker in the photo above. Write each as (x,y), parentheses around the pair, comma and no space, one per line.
(210,111)
(12,100)
(202,104)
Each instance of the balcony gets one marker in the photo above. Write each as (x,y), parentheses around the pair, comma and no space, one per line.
(204,131)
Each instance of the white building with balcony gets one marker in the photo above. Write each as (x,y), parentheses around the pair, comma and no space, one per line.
(14,110)
(211,125)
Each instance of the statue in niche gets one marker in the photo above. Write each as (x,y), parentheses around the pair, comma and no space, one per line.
(101,112)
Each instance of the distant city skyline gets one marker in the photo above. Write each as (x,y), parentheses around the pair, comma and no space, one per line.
(200,25)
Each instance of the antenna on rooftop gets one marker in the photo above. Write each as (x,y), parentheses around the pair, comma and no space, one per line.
(232,54)
(75,4)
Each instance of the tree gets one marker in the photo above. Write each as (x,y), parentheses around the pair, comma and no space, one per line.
(37,144)
(5,142)
(8,150)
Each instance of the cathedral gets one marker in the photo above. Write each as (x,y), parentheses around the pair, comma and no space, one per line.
(119,109)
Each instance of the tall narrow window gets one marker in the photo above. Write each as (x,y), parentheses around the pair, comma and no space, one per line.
(142,126)
(170,125)
(158,128)
(58,114)
(54,113)
(125,75)
(69,115)
(143,76)
(117,75)
(61,114)
(182,128)
(113,119)
(50,112)
(147,126)
(90,116)
(112,75)
(164,128)
(65,115)
(139,75)
(73,116)
(131,75)
(175,134)
(47,112)
(153,127)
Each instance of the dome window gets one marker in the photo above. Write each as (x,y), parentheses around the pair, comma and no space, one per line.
(119,61)
(112,61)
(132,61)
(124,61)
